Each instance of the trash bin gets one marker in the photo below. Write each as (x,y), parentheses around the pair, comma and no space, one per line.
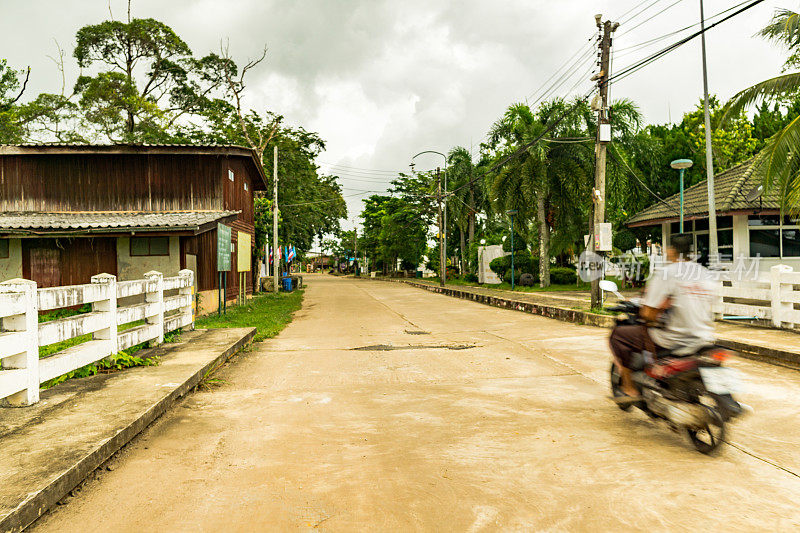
(419,274)
(287,284)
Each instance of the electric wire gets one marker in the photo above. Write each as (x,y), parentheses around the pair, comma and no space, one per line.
(638,65)
(651,17)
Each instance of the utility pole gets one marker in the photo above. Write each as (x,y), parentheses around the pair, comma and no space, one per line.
(276,257)
(442,257)
(713,249)
(355,251)
(603,137)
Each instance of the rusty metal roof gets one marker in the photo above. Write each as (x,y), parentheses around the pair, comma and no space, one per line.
(730,194)
(108,221)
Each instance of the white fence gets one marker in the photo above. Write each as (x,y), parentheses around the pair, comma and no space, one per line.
(113,328)
(770,296)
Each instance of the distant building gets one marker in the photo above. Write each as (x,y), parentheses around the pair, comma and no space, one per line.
(745,227)
(68,212)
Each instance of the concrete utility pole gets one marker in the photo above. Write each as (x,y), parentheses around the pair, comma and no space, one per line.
(713,249)
(442,258)
(603,137)
(276,258)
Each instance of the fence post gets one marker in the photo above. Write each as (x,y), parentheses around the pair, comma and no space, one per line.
(28,357)
(779,307)
(108,306)
(156,296)
(187,292)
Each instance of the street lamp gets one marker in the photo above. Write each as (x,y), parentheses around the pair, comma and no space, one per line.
(511,213)
(443,229)
(681,165)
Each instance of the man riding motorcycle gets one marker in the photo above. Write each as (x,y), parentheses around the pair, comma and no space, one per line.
(683,288)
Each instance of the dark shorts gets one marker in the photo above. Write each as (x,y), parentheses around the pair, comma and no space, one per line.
(626,341)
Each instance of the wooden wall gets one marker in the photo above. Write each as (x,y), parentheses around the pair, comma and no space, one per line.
(55,262)
(110,182)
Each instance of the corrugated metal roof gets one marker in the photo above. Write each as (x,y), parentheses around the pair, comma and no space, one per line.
(730,194)
(109,220)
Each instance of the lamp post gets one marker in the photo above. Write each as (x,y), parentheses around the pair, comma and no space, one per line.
(511,213)
(443,229)
(681,165)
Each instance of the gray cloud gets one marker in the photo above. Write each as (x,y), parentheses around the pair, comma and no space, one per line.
(383,79)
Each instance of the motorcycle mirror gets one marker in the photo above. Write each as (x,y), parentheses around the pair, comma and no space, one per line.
(608,285)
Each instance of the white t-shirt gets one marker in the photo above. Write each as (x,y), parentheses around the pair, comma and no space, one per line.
(690,321)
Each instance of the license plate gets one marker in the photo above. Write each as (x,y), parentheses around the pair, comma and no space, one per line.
(721,380)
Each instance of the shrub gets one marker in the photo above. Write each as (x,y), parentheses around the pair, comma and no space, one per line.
(562,276)
(499,265)
(471,278)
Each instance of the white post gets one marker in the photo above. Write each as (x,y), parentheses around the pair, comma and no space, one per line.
(155,295)
(108,307)
(28,356)
(779,307)
(187,292)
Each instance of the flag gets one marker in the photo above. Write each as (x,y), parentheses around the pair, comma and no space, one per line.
(270,255)
(292,252)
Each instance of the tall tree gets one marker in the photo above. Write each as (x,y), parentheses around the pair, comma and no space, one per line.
(147,78)
(11,90)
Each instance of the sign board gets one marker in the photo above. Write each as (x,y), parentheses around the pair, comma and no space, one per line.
(223,248)
(602,237)
(244,257)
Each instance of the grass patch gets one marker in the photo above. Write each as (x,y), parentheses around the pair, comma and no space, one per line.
(268,313)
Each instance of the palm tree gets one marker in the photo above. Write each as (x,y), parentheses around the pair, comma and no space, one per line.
(778,160)
(551,173)
(467,198)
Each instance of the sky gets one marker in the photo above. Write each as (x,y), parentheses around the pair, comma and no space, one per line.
(381,80)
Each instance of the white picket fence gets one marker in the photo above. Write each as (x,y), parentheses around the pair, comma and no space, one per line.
(21,334)
(769,296)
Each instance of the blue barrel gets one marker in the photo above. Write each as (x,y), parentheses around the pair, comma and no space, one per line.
(287,284)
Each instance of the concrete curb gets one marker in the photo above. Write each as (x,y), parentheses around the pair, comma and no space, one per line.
(38,502)
(753,351)
(548,311)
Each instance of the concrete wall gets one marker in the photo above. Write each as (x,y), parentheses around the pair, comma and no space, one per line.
(11,267)
(129,268)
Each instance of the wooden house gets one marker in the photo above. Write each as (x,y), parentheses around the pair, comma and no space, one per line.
(68,212)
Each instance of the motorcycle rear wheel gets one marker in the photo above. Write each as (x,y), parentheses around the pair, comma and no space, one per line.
(707,440)
(616,381)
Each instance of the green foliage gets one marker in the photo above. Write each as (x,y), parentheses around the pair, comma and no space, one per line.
(562,276)
(11,130)
(124,359)
(268,313)
(519,243)
(624,239)
(394,230)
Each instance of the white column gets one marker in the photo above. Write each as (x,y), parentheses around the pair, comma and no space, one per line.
(779,307)
(187,292)
(108,307)
(28,356)
(155,296)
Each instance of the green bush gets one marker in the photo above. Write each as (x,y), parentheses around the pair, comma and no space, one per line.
(499,265)
(471,278)
(562,276)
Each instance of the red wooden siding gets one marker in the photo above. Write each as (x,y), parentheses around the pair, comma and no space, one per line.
(110,182)
(54,262)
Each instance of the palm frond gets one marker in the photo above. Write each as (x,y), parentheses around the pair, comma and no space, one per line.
(786,84)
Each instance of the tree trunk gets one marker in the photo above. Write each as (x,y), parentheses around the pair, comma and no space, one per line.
(544,242)
(463,245)
(471,221)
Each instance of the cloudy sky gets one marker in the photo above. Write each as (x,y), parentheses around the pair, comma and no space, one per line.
(381,80)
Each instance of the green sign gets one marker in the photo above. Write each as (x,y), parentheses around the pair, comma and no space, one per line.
(223,248)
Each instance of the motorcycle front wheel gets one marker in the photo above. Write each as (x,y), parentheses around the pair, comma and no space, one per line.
(708,439)
(616,381)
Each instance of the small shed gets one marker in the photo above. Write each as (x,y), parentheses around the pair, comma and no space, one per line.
(68,212)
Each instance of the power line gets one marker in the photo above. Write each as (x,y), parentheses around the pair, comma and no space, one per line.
(651,17)
(627,71)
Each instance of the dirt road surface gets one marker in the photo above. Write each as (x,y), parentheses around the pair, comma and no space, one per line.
(388,408)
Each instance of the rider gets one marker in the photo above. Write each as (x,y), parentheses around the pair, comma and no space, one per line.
(685,288)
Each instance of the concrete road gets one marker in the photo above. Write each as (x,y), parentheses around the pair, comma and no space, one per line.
(388,408)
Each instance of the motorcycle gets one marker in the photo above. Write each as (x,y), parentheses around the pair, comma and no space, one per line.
(692,392)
